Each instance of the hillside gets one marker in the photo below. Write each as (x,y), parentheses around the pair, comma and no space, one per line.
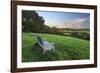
(66,48)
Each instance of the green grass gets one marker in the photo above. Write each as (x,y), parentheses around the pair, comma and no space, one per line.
(66,48)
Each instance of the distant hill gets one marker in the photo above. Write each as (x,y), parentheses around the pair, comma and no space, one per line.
(74,29)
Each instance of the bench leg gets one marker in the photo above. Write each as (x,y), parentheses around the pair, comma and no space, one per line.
(53,49)
(43,51)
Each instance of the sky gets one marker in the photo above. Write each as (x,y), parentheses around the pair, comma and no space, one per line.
(65,19)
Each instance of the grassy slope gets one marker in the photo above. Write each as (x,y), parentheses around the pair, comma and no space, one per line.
(66,48)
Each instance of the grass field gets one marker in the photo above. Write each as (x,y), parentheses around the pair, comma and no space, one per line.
(66,48)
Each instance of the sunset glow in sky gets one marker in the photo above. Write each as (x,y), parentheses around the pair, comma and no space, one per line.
(65,19)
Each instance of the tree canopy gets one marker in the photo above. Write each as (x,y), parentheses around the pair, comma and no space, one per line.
(31,21)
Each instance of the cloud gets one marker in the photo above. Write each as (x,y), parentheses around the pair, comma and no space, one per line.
(76,23)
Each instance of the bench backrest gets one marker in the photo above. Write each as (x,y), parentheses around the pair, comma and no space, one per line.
(40,40)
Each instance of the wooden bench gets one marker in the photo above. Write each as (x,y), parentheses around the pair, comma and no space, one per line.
(45,45)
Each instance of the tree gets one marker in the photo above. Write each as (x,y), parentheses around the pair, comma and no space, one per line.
(31,21)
